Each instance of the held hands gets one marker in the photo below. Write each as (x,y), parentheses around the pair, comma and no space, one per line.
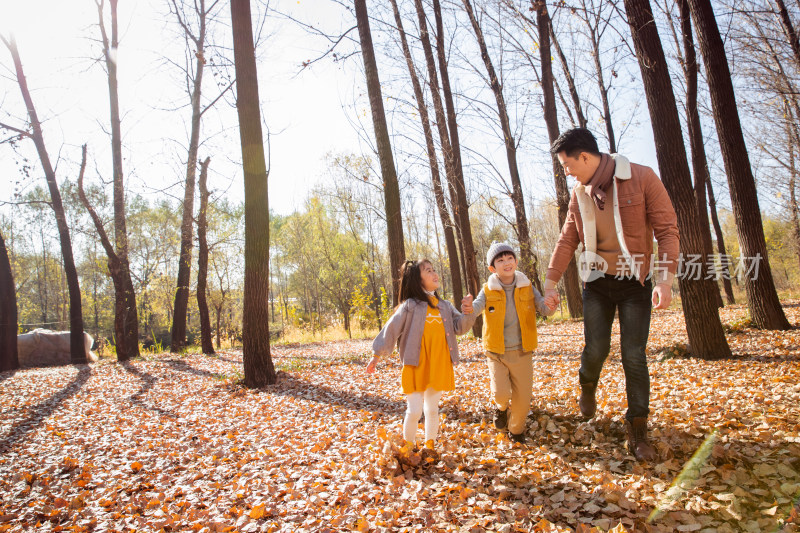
(372,365)
(662,296)
(551,298)
(466,304)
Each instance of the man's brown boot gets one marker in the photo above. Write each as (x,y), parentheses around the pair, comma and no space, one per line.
(587,402)
(638,444)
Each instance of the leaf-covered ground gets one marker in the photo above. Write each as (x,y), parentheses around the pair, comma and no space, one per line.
(175,443)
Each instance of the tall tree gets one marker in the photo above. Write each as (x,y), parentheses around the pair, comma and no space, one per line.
(696,144)
(196,36)
(206,342)
(433,161)
(703,326)
(527,258)
(9,359)
(258,367)
(195,77)
(457,185)
(762,298)
(127,327)
(793,209)
(76,344)
(114,269)
(571,281)
(391,187)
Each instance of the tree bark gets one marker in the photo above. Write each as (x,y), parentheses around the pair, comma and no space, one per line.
(528,260)
(127,341)
(788,27)
(441,204)
(461,205)
(703,326)
(76,344)
(391,188)
(726,277)
(9,359)
(206,342)
(572,285)
(699,160)
(762,298)
(185,259)
(258,368)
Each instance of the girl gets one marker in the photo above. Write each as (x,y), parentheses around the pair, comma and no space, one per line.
(424,327)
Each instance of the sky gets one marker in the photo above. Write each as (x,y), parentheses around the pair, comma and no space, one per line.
(302,108)
(305,110)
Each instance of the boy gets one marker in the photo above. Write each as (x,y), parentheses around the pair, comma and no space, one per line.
(509,303)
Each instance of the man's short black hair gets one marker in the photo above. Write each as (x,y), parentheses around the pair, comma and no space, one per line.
(575,141)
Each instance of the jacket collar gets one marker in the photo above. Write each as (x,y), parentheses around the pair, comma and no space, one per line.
(623,167)
(494,281)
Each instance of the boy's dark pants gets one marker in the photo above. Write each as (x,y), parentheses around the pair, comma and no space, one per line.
(601,298)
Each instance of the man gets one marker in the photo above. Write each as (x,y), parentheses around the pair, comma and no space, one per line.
(614,211)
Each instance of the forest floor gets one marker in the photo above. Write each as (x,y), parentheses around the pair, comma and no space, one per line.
(176,443)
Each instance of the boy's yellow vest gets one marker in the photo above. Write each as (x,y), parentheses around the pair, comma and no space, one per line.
(495,311)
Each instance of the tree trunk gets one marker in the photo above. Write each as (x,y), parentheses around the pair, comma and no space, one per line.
(762,298)
(572,284)
(706,336)
(441,204)
(461,205)
(726,276)
(127,341)
(573,90)
(528,260)
(202,262)
(113,264)
(699,160)
(76,344)
(185,259)
(258,368)
(218,311)
(391,188)
(788,27)
(9,359)
(792,138)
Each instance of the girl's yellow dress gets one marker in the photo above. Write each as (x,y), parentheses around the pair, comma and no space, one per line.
(435,368)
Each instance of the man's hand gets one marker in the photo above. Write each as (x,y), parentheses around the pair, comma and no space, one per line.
(466,304)
(373,363)
(551,298)
(662,296)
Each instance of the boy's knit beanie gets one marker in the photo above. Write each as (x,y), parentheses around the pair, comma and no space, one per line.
(496,249)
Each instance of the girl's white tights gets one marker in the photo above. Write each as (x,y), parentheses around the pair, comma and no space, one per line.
(417,402)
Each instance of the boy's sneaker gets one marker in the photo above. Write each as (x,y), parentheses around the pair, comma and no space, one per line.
(500,418)
(517,437)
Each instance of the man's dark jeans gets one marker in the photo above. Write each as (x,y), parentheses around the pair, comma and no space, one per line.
(601,298)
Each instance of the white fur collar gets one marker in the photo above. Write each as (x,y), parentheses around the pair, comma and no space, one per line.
(494,281)
(622,168)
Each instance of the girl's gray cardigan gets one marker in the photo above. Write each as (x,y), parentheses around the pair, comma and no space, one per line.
(406,325)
